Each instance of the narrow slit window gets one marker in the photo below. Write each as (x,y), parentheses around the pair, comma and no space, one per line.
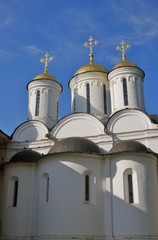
(131,193)
(15,193)
(57,108)
(74,103)
(49,111)
(125,93)
(47,189)
(130,188)
(87,188)
(88,97)
(104,98)
(137,92)
(37,103)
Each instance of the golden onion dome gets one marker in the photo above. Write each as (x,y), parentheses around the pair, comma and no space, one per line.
(91,67)
(123,46)
(125,63)
(45,75)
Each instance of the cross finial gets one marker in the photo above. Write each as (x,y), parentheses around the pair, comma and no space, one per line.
(123,47)
(46,59)
(90,44)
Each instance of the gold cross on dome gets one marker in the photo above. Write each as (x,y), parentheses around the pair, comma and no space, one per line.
(90,44)
(46,59)
(123,47)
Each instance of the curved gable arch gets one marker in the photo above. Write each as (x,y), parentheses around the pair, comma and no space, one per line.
(78,125)
(30,131)
(129,120)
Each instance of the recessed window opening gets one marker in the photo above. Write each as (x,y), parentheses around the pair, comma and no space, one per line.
(57,108)
(87,188)
(131,193)
(47,189)
(15,193)
(137,92)
(49,110)
(89,193)
(88,97)
(130,188)
(37,103)
(125,92)
(104,98)
(74,102)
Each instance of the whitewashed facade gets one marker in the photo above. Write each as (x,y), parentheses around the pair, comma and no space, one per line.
(90,175)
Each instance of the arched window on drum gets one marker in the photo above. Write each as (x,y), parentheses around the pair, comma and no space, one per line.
(130,186)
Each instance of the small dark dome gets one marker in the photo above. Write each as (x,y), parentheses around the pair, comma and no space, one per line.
(129,146)
(25,156)
(75,144)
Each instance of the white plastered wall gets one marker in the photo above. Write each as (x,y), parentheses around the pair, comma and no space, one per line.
(129,120)
(141,217)
(78,125)
(96,81)
(134,81)
(17,221)
(30,131)
(48,104)
(67,213)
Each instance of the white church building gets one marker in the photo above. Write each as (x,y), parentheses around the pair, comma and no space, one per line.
(91,175)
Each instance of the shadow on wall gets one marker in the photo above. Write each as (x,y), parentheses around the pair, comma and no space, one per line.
(67,200)
(58,190)
(87,106)
(30,131)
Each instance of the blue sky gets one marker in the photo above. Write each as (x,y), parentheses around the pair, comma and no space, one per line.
(29,28)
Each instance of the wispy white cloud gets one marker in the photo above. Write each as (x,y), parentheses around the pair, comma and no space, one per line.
(145,26)
(74,23)
(140,16)
(113,59)
(68,33)
(5,54)
(33,49)
(5,22)
(6,16)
